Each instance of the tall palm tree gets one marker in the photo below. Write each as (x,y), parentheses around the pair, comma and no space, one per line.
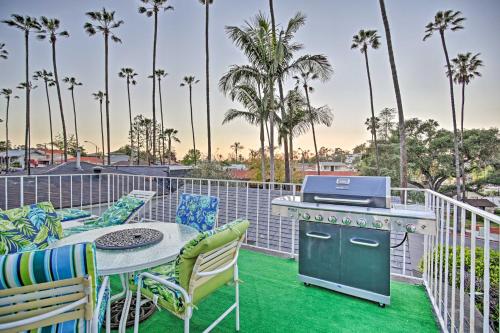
(465,69)
(362,41)
(7,93)
(236,146)
(26,24)
(443,21)
(171,135)
(50,29)
(129,74)
(305,77)
(151,8)
(403,157)
(188,82)
(48,80)
(105,23)
(160,73)
(29,86)
(207,4)
(72,82)
(99,96)
(4,54)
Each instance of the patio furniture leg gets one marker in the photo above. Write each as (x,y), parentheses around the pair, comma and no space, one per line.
(121,294)
(237,292)
(125,310)
(186,321)
(137,305)
(108,316)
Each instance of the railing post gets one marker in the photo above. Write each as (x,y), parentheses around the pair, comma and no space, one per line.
(21,191)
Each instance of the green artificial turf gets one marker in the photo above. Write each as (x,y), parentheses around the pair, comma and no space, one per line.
(273,300)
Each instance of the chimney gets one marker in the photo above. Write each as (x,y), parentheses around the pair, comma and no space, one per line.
(78,166)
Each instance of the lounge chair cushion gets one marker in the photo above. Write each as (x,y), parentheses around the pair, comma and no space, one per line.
(117,214)
(197,211)
(179,271)
(34,267)
(29,227)
(70,214)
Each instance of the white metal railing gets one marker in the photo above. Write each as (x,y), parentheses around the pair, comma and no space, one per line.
(462,299)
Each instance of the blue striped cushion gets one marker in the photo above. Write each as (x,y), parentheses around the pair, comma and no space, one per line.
(70,261)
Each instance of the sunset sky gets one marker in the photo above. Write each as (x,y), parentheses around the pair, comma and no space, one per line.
(329,30)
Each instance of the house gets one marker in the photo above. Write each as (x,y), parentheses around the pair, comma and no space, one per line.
(118,158)
(333,166)
(16,158)
(482,203)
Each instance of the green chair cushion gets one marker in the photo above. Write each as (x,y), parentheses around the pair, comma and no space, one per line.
(29,227)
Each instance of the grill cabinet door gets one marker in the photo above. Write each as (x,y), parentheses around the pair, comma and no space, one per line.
(319,250)
(365,259)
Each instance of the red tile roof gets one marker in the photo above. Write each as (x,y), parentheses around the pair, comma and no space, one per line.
(88,159)
(333,173)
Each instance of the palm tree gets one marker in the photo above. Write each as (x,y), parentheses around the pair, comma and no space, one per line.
(403,158)
(151,9)
(26,24)
(7,93)
(189,81)
(29,86)
(129,75)
(160,73)
(50,29)
(3,52)
(465,69)
(104,23)
(207,4)
(305,77)
(48,80)
(237,146)
(171,135)
(448,20)
(361,41)
(72,82)
(99,96)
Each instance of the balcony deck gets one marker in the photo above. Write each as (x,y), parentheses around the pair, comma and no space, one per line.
(273,300)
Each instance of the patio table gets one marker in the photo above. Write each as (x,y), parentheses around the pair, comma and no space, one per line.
(123,262)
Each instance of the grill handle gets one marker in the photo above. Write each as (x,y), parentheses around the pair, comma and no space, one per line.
(318,235)
(363,242)
(345,201)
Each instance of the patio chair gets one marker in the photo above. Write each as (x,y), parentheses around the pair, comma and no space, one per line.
(55,290)
(203,265)
(197,211)
(126,209)
(29,228)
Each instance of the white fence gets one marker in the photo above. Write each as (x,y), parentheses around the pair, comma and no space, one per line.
(463,292)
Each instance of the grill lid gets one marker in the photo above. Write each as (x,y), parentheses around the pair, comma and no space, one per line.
(355,191)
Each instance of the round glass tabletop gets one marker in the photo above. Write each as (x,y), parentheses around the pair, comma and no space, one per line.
(110,262)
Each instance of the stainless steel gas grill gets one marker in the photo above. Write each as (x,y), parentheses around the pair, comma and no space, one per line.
(344,232)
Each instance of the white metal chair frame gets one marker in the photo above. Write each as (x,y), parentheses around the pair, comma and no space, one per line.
(44,304)
(207,266)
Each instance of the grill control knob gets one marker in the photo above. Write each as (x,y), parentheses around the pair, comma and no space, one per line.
(411,228)
(377,224)
(306,216)
(318,217)
(361,222)
(346,220)
(332,219)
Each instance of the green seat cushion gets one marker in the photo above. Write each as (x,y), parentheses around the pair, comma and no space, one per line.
(29,227)
(117,214)
(180,270)
(70,214)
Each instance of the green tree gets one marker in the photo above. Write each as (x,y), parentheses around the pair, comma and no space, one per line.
(4,54)
(72,83)
(443,21)
(207,4)
(129,75)
(188,82)
(160,74)
(386,117)
(72,145)
(50,30)
(362,41)
(171,136)
(151,8)
(237,147)
(465,69)
(48,80)
(191,157)
(209,170)
(403,158)
(26,24)
(7,94)
(105,23)
(99,96)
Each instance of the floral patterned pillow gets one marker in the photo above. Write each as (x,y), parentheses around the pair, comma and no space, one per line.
(197,211)
(29,228)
